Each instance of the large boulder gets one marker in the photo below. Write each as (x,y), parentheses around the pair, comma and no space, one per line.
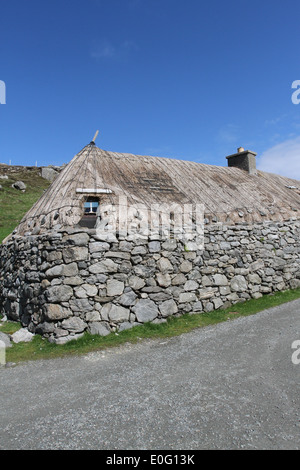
(20,185)
(49,173)
(22,335)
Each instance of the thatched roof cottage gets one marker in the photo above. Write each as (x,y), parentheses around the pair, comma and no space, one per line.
(69,268)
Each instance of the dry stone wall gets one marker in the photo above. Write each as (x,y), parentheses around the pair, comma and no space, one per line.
(62,284)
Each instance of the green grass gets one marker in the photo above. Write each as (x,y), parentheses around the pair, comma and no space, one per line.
(40,348)
(14,204)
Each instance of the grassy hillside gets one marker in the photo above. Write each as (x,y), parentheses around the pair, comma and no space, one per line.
(14,203)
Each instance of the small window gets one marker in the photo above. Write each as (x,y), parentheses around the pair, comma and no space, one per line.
(90,207)
(90,213)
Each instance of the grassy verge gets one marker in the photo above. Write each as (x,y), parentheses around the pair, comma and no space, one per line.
(40,348)
(14,204)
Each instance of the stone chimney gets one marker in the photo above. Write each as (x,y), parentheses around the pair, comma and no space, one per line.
(243,159)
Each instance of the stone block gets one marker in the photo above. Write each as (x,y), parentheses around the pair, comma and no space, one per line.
(118,254)
(60,293)
(78,239)
(116,313)
(74,325)
(103,267)
(186,266)
(254,278)
(191,285)
(73,281)
(80,305)
(224,290)
(98,247)
(164,265)
(75,253)
(139,250)
(86,290)
(145,310)
(98,328)
(168,308)
(93,316)
(220,280)
(169,245)
(136,282)
(114,287)
(238,284)
(163,280)
(127,325)
(62,270)
(218,303)
(154,246)
(187,297)
(197,306)
(127,299)
(55,312)
(178,279)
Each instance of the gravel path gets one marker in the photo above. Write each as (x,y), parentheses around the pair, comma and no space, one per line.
(228,386)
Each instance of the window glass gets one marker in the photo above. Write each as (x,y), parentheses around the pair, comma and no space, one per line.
(90,207)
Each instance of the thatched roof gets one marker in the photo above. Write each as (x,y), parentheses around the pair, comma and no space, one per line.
(229,194)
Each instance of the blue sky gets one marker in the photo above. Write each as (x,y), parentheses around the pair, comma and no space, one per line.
(188,79)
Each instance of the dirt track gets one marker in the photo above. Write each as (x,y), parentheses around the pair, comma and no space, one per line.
(229,386)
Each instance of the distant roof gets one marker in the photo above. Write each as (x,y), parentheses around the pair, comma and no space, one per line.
(229,194)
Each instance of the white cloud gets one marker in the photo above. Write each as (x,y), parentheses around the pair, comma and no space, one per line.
(106,50)
(283,159)
(275,121)
(103,50)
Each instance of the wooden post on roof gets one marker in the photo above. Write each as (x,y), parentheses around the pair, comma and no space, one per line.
(95,136)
